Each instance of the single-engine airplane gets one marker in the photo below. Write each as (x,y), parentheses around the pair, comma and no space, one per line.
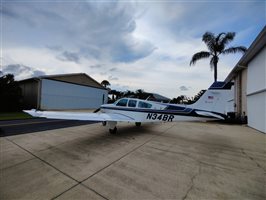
(211,106)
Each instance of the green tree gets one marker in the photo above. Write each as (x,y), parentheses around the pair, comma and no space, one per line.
(105,83)
(216,46)
(10,94)
(140,94)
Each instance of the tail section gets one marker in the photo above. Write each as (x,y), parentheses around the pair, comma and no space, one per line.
(215,98)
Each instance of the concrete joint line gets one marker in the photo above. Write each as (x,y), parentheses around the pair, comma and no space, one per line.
(35,156)
(253,160)
(94,191)
(65,191)
(18,163)
(194,159)
(192,183)
(43,161)
(125,155)
(80,182)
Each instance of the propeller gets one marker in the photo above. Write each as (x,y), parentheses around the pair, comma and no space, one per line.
(97,110)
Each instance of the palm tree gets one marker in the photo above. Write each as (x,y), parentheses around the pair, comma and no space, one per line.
(216,46)
(105,83)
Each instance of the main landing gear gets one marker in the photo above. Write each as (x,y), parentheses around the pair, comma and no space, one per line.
(113,131)
(112,126)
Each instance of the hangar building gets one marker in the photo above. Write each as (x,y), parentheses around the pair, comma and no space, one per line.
(63,92)
(249,77)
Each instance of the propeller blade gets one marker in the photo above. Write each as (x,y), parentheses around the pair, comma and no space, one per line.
(97,110)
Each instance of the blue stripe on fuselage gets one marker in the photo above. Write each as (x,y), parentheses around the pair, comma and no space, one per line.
(186,112)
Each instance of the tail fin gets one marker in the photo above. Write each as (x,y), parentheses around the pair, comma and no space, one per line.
(215,98)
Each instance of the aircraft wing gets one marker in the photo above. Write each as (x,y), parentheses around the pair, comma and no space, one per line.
(80,116)
(209,114)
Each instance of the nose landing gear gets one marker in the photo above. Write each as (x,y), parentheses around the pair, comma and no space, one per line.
(138,123)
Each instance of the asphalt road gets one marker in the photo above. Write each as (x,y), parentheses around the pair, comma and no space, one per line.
(16,127)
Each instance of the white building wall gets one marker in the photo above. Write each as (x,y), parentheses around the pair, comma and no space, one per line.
(256,91)
(257,73)
(256,111)
(230,106)
(61,95)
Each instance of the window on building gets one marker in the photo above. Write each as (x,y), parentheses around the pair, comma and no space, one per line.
(122,102)
(132,103)
(144,105)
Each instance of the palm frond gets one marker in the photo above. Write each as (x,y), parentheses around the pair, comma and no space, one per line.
(208,36)
(219,37)
(209,39)
(218,46)
(240,49)
(227,38)
(198,56)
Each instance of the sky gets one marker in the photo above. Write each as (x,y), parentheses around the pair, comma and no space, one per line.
(132,44)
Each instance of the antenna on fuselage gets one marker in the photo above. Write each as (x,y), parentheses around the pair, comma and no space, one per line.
(147,98)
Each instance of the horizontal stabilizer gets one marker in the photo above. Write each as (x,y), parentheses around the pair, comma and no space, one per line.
(209,114)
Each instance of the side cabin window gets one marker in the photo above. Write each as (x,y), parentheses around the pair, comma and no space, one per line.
(144,105)
(122,102)
(132,103)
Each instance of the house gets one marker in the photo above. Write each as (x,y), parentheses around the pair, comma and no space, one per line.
(249,77)
(62,92)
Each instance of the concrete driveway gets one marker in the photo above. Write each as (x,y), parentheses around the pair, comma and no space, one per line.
(158,161)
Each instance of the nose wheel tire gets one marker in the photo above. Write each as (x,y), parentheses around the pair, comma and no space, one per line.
(113,131)
(138,123)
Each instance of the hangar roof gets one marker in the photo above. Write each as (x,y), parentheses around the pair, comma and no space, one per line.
(258,44)
(75,78)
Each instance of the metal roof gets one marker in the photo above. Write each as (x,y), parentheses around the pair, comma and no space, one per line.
(75,78)
(258,44)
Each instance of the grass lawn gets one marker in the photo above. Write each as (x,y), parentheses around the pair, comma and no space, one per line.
(14,115)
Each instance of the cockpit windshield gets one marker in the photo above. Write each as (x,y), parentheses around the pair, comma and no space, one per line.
(122,102)
(132,103)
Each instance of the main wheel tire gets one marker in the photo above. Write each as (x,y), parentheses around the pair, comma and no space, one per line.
(104,123)
(138,123)
(113,131)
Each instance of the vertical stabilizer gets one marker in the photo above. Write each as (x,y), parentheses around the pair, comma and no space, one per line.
(215,98)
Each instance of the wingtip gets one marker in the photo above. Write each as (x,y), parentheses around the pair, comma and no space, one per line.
(31,112)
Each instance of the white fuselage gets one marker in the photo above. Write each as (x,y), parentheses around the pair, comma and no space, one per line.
(149,111)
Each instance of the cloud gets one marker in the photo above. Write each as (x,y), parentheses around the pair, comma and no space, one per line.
(97,66)
(103,73)
(113,69)
(111,78)
(22,71)
(183,88)
(54,47)
(138,44)
(69,56)
(105,31)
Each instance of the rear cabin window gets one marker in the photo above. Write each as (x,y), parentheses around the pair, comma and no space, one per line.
(122,102)
(132,103)
(144,105)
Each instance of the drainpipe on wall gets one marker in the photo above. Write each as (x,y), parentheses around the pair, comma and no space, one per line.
(39,94)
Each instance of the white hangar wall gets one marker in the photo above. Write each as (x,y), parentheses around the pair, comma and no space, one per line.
(256,91)
(62,95)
